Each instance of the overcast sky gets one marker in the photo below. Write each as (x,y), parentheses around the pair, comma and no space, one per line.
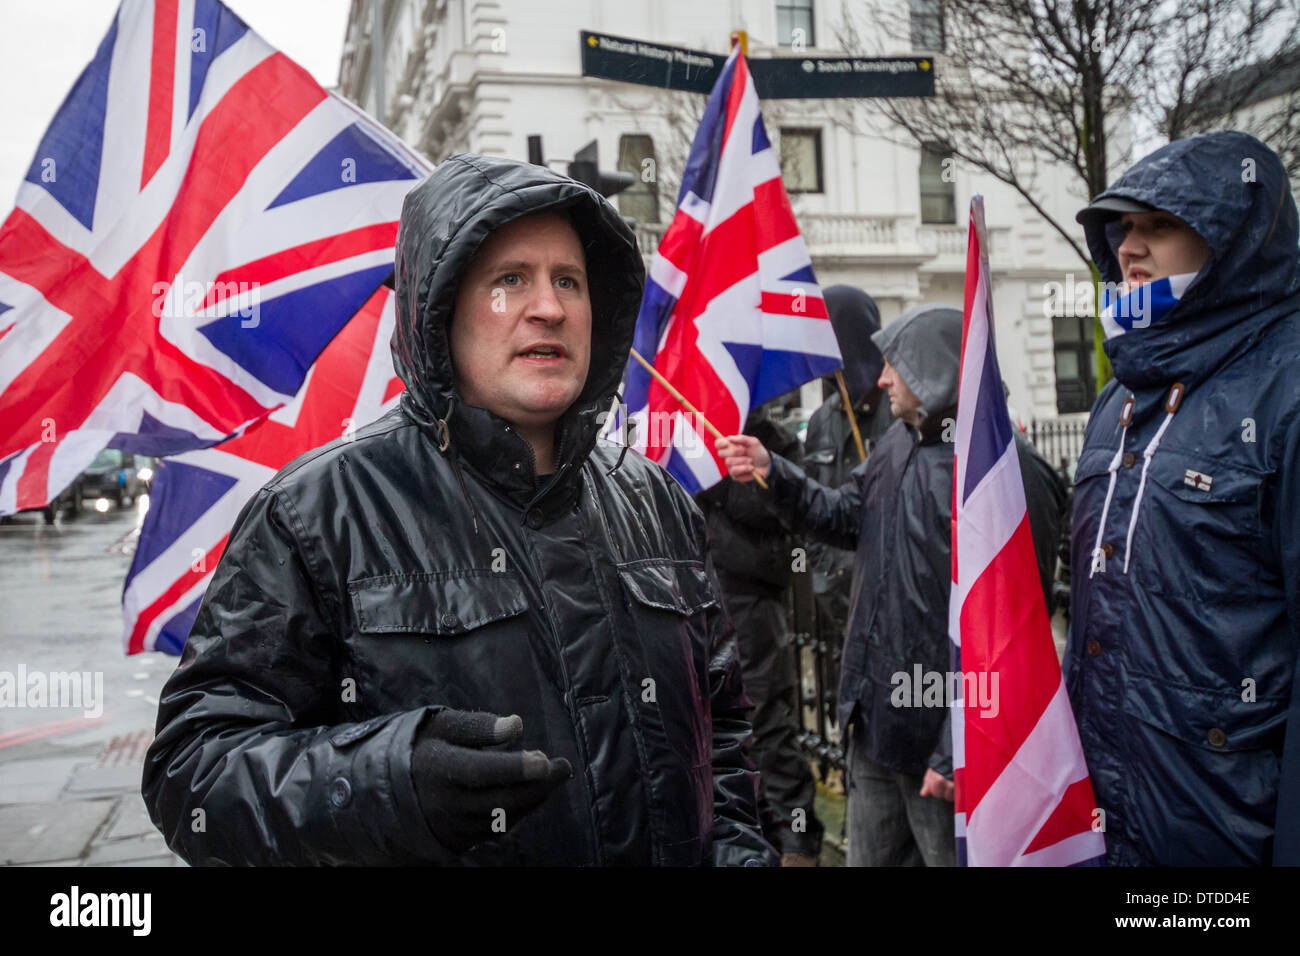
(45,44)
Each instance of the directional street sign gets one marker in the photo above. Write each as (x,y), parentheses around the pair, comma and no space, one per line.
(794,77)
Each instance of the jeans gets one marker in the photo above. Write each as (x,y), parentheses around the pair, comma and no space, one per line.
(890,823)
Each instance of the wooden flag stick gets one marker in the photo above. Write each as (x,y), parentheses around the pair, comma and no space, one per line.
(686,404)
(853,419)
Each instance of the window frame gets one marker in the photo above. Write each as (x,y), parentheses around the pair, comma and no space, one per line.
(794,8)
(816,133)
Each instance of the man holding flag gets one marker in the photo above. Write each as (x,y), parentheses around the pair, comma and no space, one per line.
(896,512)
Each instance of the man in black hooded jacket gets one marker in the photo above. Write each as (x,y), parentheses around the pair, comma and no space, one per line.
(398,612)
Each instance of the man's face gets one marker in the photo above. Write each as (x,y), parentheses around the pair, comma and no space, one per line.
(1156,245)
(521,332)
(903,402)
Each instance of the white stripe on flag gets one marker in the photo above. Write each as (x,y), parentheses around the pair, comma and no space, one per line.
(1047,763)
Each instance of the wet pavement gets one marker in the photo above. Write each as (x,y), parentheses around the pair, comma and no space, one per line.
(76,714)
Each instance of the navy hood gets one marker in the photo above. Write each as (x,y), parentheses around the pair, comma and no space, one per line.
(1234,191)
(855,318)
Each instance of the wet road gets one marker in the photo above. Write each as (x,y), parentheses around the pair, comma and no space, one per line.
(60,611)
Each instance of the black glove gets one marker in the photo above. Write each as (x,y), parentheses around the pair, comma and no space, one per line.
(461,786)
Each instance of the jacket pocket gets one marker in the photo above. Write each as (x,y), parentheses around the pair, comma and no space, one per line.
(1198,536)
(669,603)
(1201,771)
(680,586)
(445,603)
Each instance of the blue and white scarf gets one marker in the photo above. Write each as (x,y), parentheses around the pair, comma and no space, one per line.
(1147,305)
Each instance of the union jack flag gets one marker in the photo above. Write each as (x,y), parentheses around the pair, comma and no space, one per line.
(1023,795)
(732,314)
(199,221)
(197,495)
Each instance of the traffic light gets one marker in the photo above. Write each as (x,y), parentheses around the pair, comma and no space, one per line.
(585,168)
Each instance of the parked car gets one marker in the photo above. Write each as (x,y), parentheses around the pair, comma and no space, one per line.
(118,476)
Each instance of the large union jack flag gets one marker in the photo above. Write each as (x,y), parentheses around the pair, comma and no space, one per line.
(732,315)
(199,221)
(197,495)
(1023,795)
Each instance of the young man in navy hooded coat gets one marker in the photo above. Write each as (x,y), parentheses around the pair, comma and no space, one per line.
(1182,655)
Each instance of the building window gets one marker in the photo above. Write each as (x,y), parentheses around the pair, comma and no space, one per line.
(636,155)
(1076,379)
(794,23)
(801,160)
(927,25)
(938,189)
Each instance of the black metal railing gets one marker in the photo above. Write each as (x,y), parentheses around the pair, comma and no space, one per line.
(817,680)
(1059,440)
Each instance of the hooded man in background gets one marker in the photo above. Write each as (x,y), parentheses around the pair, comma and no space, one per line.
(1185,627)
(399,611)
(896,512)
(830,450)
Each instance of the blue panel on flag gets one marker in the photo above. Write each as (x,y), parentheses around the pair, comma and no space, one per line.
(781,368)
(179,495)
(804,274)
(4,307)
(679,468)
(991,428)
(174,634)
(656,309)
(154,437)
(701,173)
(749,359)
(353,153)
(215,30)
(67,160)
(761,142)
(288,335)
(5,466)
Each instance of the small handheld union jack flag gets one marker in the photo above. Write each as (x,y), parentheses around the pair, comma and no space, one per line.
(732,313)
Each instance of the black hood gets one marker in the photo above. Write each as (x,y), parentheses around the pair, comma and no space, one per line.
(855,318)
(1234,191)
(444,222)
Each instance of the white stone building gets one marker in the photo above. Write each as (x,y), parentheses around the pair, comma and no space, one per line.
(482,75)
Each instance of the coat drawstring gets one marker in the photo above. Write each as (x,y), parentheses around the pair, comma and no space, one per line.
(628,429)
(444,445)
(1171,406)
(1126,419)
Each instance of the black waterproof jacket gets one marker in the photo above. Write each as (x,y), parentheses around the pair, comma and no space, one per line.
(379,578)
(751,551)
(1184,643)
(896,513)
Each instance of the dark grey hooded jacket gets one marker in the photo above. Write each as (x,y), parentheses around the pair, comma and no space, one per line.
(1183,646)
(379,578)
(896,512)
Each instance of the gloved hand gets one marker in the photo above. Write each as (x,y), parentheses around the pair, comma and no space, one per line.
(460,785)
